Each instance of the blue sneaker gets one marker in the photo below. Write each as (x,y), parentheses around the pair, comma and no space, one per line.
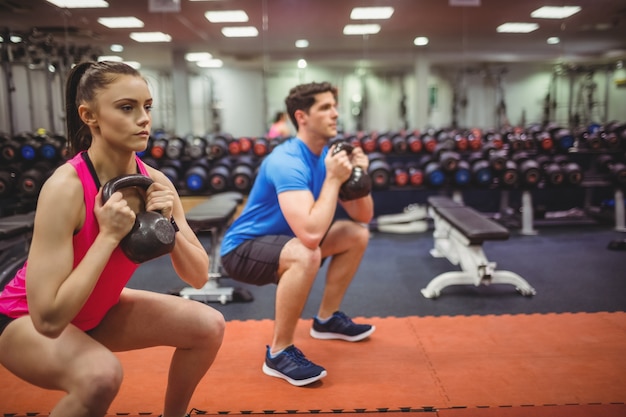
(292,366)
(340,326)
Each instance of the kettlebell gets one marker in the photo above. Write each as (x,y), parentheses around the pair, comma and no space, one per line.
(359,184)
(152,234)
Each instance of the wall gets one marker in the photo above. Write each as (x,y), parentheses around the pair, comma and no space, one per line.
(243,102)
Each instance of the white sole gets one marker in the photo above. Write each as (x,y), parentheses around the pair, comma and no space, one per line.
(298,383)
(338,336)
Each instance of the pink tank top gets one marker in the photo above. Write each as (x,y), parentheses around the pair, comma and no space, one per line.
(113,279)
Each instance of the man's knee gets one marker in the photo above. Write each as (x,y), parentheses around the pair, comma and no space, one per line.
(295,253)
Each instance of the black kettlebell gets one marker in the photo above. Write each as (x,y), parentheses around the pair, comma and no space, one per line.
(152,234)
(359,184)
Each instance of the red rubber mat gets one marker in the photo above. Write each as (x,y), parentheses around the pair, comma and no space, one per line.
(530,365)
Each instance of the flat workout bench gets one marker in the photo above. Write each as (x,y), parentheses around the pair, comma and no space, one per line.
(459,234)
(214,216)
(16,229)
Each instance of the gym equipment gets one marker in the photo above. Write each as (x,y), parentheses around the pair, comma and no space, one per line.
(157,147)
(219,174)
(572,172)
(245,144)
(368,143)
(528,169)
(218,147)
(175,148)
(195,147)
(480,168)
(242,174)
(197,176)
(429,142)
(32,178)
(8,180)
(416,175)
(9,150)
(434,176)
(359,184)
(399,144)
(462,176)
(152,234)
(384,144)
(615,170)
(414,143)
(550,170)
(379,171)
(172,168)
(260,147)
(400,174)
(458,236)
(214,216)
(509,176)
(411,220)
(15,236)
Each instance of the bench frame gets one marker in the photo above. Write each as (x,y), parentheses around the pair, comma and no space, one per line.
(452,243)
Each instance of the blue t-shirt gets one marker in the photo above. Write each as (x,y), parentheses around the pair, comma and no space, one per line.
(290,166)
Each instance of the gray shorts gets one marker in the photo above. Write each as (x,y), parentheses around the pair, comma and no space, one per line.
(255,261)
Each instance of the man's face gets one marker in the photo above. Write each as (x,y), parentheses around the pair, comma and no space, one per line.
(321,119)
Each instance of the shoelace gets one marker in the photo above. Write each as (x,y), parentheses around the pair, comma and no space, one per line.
(298,356)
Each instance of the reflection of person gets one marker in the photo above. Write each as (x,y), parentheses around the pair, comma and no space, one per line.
(67,309)
(287,230)
(279,128)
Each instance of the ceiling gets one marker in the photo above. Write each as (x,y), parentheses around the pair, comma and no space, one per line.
(457,34)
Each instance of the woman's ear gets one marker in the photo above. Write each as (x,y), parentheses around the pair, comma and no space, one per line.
(87,115)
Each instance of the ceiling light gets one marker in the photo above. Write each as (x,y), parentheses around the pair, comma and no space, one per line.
(361,29)
(79,4)
(302,63)
(120,22)
(240,32)
(420,41)
(517,27)
(302,43)
(553,40)
(210,63)
(197,56)
(113,58)
(552,12)
(229,16)
(366,13)
(150,37)
(116,48)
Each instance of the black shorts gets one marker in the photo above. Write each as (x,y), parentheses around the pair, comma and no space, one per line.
(4,322)
(256,261)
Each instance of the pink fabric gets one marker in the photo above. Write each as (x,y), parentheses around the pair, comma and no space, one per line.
(114,277)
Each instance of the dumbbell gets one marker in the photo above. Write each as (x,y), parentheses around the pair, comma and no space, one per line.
(175,148)
(615,170)
(245,144)
(447,157)
(434,176)
(528,169)
(359,184)
(32,178)
(572,171)
(416,175)
(197,176)
(261,146)
(172,168)
(429,142)
(157,147)
(462,176)
(379,171)
(551,171)
(400,174)
(509,176)
(414,143)
(562,137)
(497,157)
(9,150)
(482,175)
(384,144)
(217,147)
(195,147)
(242,173)
(219,174)
(152,234)
(399,144)
(475,140)
(368,143)
(52,147)
(461,142)
(8,179)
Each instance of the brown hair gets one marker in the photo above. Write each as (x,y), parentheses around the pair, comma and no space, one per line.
(83,83)
(302,97)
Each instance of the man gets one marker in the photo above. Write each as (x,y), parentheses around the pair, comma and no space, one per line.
(287,230)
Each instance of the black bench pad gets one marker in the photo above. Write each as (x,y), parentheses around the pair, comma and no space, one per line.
(16,224)
(472,224)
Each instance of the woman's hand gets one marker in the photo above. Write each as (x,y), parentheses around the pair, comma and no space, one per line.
(160,198)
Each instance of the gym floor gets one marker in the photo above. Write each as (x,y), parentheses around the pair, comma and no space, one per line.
(473,351)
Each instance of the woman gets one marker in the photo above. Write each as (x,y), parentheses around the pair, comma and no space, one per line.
(279,128)
(67,309)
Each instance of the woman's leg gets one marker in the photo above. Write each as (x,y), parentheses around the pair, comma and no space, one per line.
(145,319)
(75,363)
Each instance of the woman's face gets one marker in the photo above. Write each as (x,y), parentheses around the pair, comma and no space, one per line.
(124,112)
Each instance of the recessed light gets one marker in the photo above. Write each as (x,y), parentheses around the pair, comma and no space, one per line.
(116,48)
(79,4)
(197,56)
(230,16)
(553,12)
(113,58)
(150,37)
(517,27)
(120,22)
(302,43)
(361,29)
(210,63)
(420,41)
(553,40)
(240,32)
(302,63)
(367,13)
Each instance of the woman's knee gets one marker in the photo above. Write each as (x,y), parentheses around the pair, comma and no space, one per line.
(209,325)
(99,382)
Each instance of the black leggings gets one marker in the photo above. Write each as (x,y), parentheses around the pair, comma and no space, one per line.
(4,322)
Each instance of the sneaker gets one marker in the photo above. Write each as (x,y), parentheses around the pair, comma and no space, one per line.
(292,366)
(340,326)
